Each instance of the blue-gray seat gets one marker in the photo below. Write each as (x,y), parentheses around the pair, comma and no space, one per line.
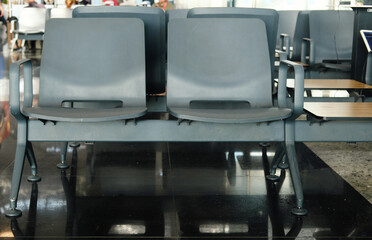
(331,37)
(219,73)
(269,16)
(71,72)
(154,20)
(83,75)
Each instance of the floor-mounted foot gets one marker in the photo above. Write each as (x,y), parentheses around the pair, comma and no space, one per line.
(283,165)
(74,145)
(299,211)
(63,166)
(13,212)
(272,177)
(264,144)
(34,178)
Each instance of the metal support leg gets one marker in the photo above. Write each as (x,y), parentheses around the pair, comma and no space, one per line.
(18,168)
(31,159)
(279,154)
(63,164)
(294,170)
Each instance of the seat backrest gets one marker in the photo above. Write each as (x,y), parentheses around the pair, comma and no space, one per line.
(32,19)
(287,24)
(175,14)
(301,31)
(218,60)
(95,60)
(332,33)
(154,20)
(61,13)
(268,16)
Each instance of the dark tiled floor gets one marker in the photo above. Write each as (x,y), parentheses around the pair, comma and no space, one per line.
(176,190)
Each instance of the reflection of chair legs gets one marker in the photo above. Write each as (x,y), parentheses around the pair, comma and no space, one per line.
(231,168)
(69,187)
(31,159)
(31,223)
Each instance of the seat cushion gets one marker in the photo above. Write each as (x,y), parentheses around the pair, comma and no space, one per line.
(232,115)
(83,115)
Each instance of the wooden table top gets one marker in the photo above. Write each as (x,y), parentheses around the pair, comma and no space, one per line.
(327,84)
(337,110)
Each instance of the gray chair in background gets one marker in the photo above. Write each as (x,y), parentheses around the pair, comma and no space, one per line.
(219,73)
(30,25)
(268,16)
(331,39)
(154,20)
(286,30)
(113,72)
(301,32)
(61,13)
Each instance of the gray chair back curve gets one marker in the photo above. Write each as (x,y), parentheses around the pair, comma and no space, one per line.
(269,16)
(332,33)
(154,20)
(202,67)
(301,31)
(175,14)
(83,74)
(287,24)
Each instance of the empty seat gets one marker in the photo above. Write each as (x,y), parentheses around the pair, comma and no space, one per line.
(154,20)
(114,71)
(268,16)
(331,33)
(31,25)
(219,73)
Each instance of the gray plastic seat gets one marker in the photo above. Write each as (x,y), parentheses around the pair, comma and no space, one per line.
(83,75)
(332,35)
(154,20)
(211,81)
(269,16)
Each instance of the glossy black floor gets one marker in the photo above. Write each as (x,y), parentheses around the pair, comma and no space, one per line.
(175,190)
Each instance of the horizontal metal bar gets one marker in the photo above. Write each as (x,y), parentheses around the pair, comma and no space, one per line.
(155,131)
(333,131)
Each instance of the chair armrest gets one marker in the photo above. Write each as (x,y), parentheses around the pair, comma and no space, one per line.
(308,43)
(14,91)
(285,41)
(298,90)
(282,55)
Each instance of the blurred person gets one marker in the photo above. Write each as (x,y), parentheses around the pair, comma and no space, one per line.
(163,4)
(69,3)
(33,3)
